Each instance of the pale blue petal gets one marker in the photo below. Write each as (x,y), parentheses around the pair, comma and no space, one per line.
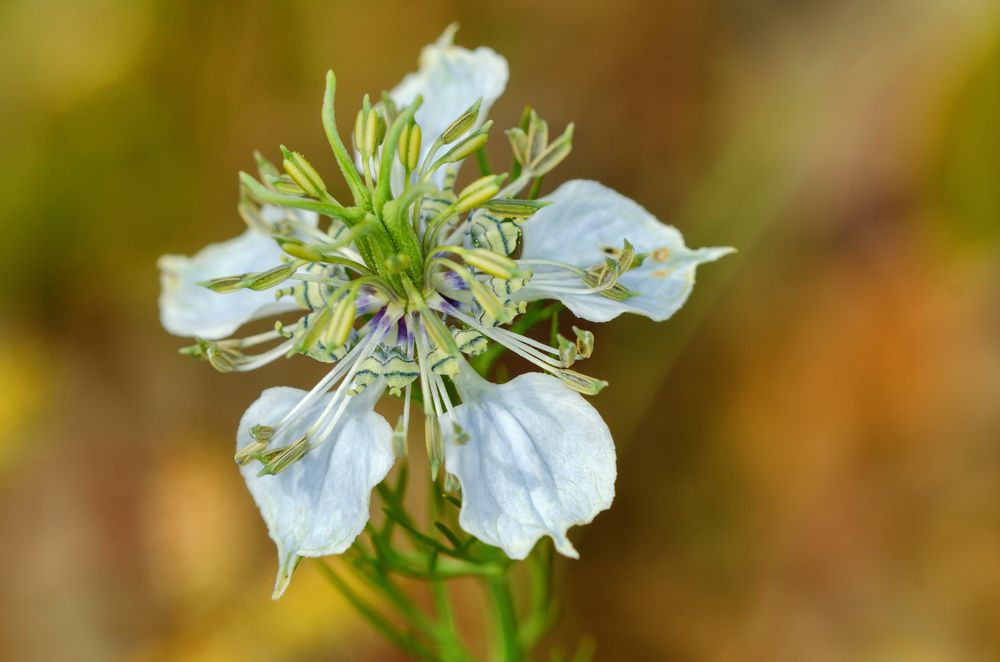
(320,504)
(450,79)
(188,309)
(539,460)
(585,221)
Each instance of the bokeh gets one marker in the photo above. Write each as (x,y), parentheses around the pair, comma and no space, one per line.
(809,452)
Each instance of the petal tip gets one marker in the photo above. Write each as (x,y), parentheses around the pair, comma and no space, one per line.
(287,562)
(565,547)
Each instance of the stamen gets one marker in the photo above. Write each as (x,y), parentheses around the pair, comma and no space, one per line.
(431,408)
(264,358)
(513,341)
(326,421)
(553,263)
(321,387)
(402,432)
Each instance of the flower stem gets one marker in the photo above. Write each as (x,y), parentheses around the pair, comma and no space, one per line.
(379,622)
(507,648)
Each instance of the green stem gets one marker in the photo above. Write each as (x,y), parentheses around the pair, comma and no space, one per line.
(542,613)
(536,187)
(508,648)
(402,639)
(483,161)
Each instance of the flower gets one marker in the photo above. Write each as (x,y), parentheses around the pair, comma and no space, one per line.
(396,289)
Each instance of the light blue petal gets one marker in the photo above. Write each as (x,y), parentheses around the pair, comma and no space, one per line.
(450,79)
(586,221)
(188,309)
(539,460)
(320,504)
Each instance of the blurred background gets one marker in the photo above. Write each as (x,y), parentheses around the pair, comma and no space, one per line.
(809,452)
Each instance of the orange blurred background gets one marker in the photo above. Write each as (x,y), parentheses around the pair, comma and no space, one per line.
(809,452)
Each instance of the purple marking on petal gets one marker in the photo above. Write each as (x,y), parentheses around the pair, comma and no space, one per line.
(402,332)
(454,281)
(379,319)
(450,303)
(366,302)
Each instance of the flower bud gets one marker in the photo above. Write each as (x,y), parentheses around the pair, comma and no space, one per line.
(303,174)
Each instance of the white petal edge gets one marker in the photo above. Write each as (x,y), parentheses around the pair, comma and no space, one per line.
(319,505)
(450,79)
(539,460)
(188,309)
(586,219)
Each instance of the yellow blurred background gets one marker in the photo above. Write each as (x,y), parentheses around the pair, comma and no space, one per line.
(809,452)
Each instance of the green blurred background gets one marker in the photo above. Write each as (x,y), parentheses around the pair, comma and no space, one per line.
(809,452)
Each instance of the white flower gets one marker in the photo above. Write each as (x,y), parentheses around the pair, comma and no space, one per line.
(397,288)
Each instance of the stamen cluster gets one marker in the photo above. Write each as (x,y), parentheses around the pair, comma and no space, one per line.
(410,278)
